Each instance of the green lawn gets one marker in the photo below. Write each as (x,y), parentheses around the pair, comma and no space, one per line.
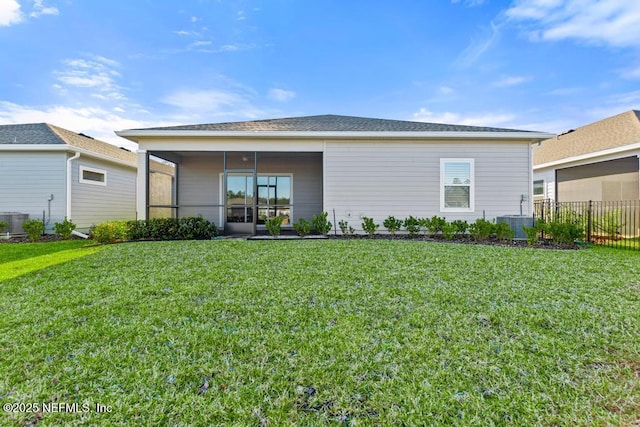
(332,332)
(19,259)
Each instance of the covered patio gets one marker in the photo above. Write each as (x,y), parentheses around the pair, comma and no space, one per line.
(236,190)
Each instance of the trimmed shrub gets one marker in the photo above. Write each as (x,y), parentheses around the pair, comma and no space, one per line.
(111,232)
(481,229)
(369,226)
(302,227)
(412,225)
(503,231)
(273,225)
(34,229)
(433,225)
(346,229)
(188,228)
(195,228)
(392,224)
(64,228)
(564,232)
(448,231)
(533,233)
(320,223)
(460,226)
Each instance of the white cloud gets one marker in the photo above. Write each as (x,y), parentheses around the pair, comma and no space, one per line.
(94,121)
(281,95)
(479,45)
(40,9)
(446,90)
(483,119)
(509,81)
(202,105)
(10,13)
(602,22)
(97,74)
(201,43)
(565,91)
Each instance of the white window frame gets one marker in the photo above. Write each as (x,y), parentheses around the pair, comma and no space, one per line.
(544,188)
(471,185)
(93,170)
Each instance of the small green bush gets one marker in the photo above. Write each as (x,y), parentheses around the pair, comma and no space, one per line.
(433,225)
(392,224)
(64,228)
(533,233)
(273,225)
(460,226)
(302,227)
(346,229)
(564,232)
(503,231)
(321,224)
(3,226)
(448,231)
(412,225)
(369,226)
(111,232)
(34,229)
(195,228)
(481,229)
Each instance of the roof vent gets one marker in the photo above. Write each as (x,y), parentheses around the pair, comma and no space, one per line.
(86,136)
(567,132)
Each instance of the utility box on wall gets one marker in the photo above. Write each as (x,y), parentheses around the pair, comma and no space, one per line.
(516,222)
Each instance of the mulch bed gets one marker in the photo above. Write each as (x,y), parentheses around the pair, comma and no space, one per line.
(43,239)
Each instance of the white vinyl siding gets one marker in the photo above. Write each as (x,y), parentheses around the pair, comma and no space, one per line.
(93,204)
(399,178)
(27,182)
(548,176)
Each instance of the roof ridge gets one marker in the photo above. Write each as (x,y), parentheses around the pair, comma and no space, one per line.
(330,123)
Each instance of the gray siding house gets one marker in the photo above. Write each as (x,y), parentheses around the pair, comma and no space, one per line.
(48,173)
(235,174)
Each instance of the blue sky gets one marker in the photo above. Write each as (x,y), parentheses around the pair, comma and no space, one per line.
(99,66)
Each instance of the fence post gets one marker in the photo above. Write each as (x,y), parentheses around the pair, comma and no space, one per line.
(589,218)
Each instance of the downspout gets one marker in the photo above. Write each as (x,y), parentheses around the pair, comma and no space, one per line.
(69,160)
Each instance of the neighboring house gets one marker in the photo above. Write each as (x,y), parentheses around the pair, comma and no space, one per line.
(596,162)
(236,173)
(48,173)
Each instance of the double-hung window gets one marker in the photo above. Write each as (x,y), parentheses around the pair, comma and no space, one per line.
(457,185)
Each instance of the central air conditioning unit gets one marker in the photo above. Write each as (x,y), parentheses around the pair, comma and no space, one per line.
(516,222)
(15,220)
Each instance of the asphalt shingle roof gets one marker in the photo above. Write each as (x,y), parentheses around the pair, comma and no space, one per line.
(330,123)
(46,134)
(612,132)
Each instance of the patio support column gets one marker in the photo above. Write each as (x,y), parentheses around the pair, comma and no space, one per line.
(142,185)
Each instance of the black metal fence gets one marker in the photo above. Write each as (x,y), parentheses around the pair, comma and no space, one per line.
(615,224)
